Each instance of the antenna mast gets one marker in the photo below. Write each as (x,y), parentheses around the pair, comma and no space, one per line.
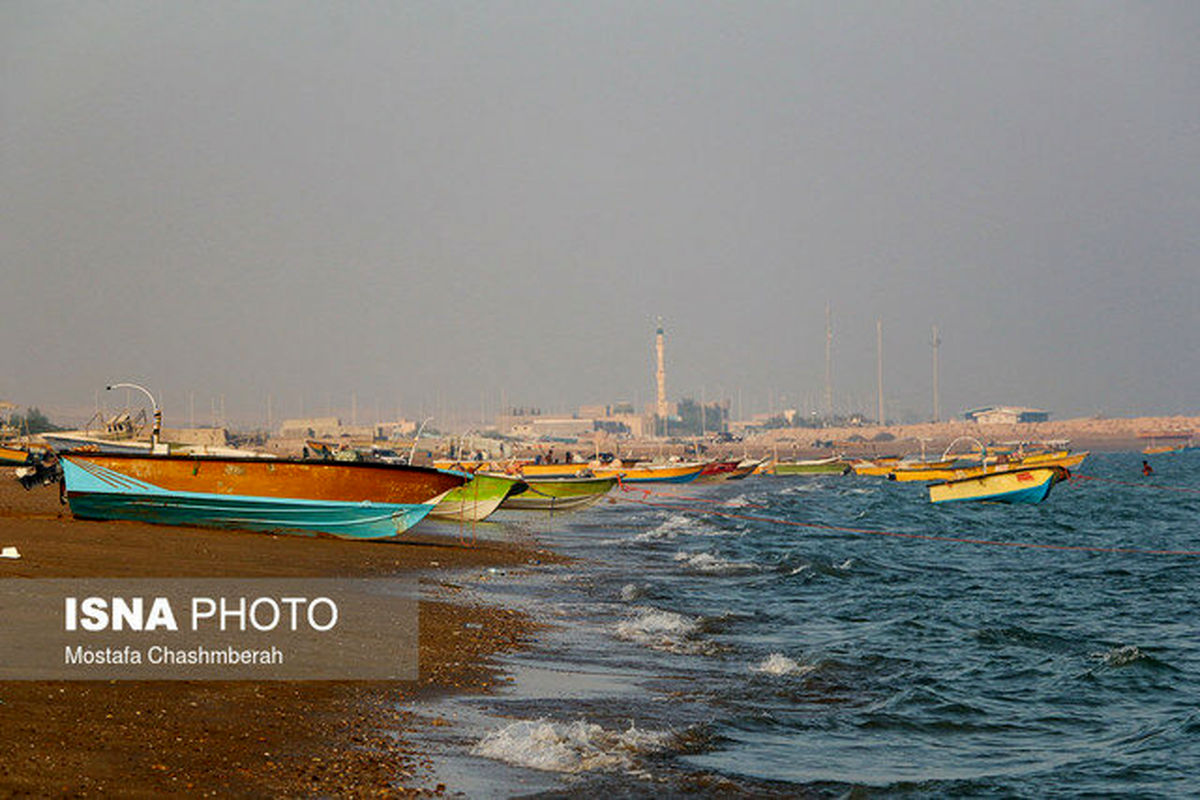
(935,341)
(879,364)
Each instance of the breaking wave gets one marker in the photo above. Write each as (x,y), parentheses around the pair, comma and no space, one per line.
(663,630)
(707,562)
(779,664)
(569,747)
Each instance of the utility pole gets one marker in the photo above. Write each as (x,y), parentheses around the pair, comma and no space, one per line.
(661,374)
(935,341)
(879,364)
(828,362)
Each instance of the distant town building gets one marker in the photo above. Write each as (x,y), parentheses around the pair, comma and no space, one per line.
(1006,415)
(333,428)
(614,418)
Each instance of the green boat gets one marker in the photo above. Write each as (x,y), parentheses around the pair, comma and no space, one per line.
(559,494)
(818,466)
(477,498)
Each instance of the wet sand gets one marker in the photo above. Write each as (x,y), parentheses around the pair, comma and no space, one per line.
(143,739)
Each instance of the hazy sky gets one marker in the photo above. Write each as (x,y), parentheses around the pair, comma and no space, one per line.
(432,203)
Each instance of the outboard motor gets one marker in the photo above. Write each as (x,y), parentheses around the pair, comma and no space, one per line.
(42,471)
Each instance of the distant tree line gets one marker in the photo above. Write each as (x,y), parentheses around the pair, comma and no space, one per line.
(691,420)
(33,421)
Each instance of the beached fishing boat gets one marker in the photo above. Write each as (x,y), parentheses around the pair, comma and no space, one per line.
(716,471)
(351,500)
(1001,486)
(13,456)
(745,468)
(682,472)
(559,494)
(478,498)
(815,466)
(82,440)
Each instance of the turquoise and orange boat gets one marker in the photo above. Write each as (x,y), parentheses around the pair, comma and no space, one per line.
(354,500)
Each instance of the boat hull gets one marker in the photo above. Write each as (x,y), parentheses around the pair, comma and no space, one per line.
(1065,461)
(559,494)
(876,468)
(1010,486)
(62,442)
(13,456)
(823,467)
(745,468)
(355,501)
(717,471)
(478,498)
(654,474)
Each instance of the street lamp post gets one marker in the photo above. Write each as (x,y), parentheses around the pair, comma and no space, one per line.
(157,430)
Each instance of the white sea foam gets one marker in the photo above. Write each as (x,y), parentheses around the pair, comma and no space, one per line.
(736,502)
(779,664)
(662,630)
(845,565)
(630,592)
(568,747)
(671,527)
(801,568)
(707,562)
(682,525)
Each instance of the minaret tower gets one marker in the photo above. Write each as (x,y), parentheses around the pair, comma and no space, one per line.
(661,410)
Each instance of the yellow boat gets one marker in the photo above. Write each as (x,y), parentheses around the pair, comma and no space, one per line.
(12,456)
(1064,460)
(878,467)
(1003,486)
(681,472)
(684,472)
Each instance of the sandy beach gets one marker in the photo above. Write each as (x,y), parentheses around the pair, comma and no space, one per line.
(144,739)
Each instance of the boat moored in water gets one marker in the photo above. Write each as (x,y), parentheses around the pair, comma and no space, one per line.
(1020,485)
(559,494)
(833,465)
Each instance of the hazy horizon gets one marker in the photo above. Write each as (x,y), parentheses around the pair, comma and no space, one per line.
(433,206)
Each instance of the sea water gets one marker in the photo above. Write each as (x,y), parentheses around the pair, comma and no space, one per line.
(743,653)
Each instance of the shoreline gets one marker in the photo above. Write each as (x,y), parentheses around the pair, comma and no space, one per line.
(291,738)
